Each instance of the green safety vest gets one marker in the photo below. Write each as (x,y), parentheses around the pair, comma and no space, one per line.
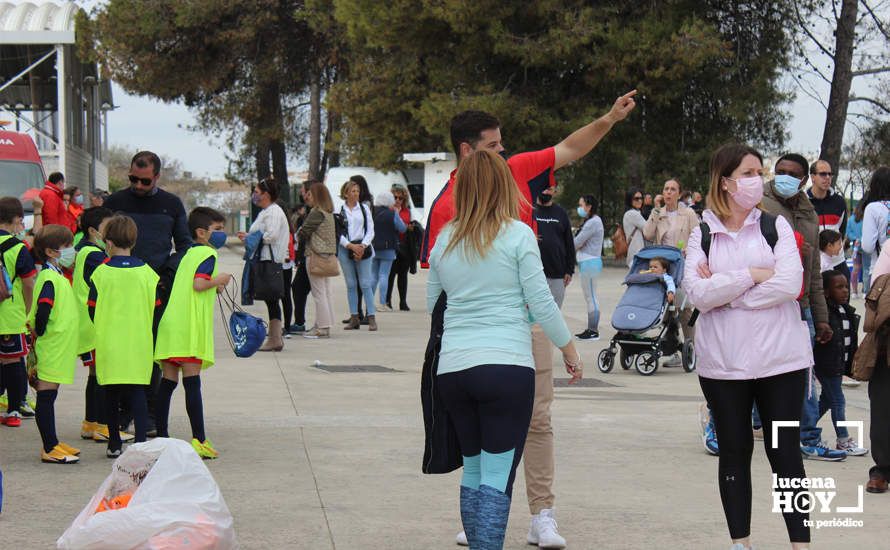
(86,331)
(12,310)
(186,328)
(57,349)
(123,318)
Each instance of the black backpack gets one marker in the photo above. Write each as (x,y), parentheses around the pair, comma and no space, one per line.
(767,229)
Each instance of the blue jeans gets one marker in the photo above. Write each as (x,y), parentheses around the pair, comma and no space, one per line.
(380,268)
(357,274)
(866,272)
(589,271)
(810,433)
(832,399)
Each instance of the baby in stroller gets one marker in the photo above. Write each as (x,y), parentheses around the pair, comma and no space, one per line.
(660,266)
(646,318)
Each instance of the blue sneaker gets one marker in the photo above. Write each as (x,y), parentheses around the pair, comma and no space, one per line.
(821,451)
(709,439)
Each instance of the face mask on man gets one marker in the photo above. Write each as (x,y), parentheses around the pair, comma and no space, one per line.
(545,198)
(786,185)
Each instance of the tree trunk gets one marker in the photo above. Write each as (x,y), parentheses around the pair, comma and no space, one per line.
(836,117)
(279,170)
(331,156)
(263,168)
(315,128)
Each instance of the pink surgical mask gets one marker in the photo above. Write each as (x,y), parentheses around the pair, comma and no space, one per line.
(749,191)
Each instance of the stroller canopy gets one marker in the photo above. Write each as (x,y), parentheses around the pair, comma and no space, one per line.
(670,253)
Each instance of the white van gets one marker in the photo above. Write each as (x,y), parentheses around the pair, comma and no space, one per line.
(377,182)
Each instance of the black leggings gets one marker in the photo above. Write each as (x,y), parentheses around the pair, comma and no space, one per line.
(288,306)
(777,397)
(399,268)
(274,308)
(300,289)
(491,408)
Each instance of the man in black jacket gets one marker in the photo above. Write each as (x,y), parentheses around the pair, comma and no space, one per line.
(556,244)
(161,222)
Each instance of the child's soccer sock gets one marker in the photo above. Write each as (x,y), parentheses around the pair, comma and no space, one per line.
(194,406)
(98,398)
(113,415)
(89,400)
(45,415)
(12,377)
(139,408)
(162,406)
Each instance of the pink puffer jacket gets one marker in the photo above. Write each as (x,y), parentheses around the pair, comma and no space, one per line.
(747,330)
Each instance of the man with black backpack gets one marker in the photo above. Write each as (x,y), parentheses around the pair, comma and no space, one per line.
(784,197)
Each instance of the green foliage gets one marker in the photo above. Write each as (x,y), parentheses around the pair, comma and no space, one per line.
(707,72)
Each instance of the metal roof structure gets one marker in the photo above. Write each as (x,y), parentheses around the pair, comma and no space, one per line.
(43,23)
(61,100)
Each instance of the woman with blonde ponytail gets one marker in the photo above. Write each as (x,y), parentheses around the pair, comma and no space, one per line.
(488,264)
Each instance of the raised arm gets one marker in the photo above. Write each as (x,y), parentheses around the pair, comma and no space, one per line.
(583,140)
(717,290)
(785,284)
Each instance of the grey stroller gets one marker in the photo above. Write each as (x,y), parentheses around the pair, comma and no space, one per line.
(648,326)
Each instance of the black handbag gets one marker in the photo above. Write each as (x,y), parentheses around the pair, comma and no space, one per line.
(266,277)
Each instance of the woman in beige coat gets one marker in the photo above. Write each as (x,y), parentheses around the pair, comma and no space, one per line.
(671,225)
(320,237)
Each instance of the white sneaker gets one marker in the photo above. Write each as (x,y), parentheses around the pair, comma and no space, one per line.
(850,447)
(675,360)
(849,382)
(543,531)
(461,539)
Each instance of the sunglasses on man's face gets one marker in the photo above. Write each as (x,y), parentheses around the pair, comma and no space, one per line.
(824,174)
(141,181)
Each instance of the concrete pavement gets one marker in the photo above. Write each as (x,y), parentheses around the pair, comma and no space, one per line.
(317,459)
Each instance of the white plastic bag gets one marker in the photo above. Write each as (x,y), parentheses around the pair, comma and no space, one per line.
(175,504)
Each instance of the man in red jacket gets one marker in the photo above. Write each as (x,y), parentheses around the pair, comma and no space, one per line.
(54,210)
(533,173)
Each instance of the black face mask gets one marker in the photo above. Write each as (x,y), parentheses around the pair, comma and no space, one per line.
(503,154)
(545,198)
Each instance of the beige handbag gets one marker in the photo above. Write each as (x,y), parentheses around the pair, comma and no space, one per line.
(322,265)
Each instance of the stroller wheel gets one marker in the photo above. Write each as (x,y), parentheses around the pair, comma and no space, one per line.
(627,359)
(605,361)
(646,363)
(688,355)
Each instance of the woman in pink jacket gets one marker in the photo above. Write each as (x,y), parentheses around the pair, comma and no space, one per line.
(751,344)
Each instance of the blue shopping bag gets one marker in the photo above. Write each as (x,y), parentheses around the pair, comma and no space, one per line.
(245,332)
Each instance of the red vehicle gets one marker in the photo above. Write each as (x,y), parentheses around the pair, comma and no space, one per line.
(21,171)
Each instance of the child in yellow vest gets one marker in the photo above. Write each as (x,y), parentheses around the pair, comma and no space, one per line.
(122,300)
(54,324)
(90,255)
(185,332)
(20,273)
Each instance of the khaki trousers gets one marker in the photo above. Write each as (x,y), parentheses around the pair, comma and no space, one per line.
(323,294)
(539,455)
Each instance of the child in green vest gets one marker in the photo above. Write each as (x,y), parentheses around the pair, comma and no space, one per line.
(19,272)
(54,324)
(185,332)
(90,255)
(122,300)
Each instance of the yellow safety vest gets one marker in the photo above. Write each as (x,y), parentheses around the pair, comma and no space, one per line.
(12,310)
(186,328)
(123,318)
(57,349)
(86,331)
